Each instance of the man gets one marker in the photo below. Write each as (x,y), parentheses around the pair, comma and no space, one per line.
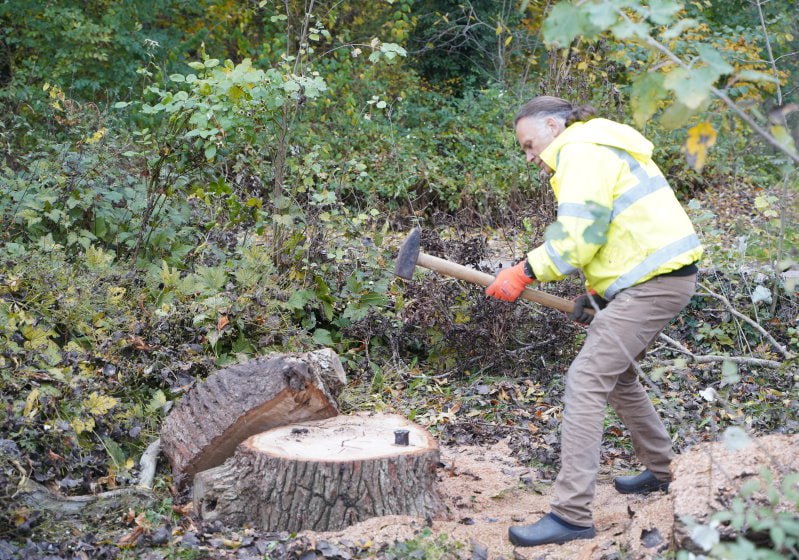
(621,225)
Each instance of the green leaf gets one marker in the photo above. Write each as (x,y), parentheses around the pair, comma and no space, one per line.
(677,29)
(755,76)
(565,22)
(177,78)
(676,115)
(661,12)
(210,152)
(749,488)
(600,15)
(777,534)
(115,451)
(323,337)
(157,401)
(691,86)
(628,29)
(299,298)
(714,60)
(646,94)
(705,536)
(98,404)
(729,373)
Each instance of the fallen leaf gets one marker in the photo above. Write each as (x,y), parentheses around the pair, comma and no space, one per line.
(137,343)
(131,538)
(222,322)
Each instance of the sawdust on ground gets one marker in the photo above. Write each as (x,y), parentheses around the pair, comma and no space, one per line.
(487,491)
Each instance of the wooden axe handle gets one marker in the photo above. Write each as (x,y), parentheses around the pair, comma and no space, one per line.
(476,277)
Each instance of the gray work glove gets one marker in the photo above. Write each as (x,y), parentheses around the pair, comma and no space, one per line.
(582,304)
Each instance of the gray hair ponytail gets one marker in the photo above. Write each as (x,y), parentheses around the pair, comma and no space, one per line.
(548,106)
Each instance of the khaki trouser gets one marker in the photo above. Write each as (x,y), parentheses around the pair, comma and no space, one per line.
(602,373)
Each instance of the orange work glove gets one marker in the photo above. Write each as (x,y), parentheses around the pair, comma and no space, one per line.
(510,283)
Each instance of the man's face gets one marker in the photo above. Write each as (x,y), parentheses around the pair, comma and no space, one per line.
(535,134)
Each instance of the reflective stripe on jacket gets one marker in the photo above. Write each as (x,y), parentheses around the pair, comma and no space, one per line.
(618,219)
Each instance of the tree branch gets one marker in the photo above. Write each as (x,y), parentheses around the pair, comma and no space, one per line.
(651,41)
(711,358)
(769,51)
(754,324)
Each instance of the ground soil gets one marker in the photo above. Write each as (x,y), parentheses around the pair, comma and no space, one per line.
(487,491)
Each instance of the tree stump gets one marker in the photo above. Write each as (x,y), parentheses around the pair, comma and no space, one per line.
(324,476)
(245,399)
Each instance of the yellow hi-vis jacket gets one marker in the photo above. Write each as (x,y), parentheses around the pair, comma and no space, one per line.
(618,219)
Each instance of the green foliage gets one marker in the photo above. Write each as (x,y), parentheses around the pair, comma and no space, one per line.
(233,103)
(92,50)
(79,198)
(425,547)
(224,210)
(763,508)
(697,55)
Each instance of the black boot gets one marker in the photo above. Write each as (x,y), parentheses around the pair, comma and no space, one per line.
(639,484)
(550,529)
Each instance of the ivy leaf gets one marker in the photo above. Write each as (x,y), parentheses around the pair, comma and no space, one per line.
(98,404)
(700,139)
(647,92)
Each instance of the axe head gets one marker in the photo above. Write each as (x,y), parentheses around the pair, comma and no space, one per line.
(408,255)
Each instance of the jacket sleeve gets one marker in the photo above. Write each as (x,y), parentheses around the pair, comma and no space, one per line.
(585,177)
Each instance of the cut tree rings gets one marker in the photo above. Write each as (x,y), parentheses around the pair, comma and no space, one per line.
(324,475)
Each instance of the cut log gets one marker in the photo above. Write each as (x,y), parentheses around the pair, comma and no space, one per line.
(324,476)
(245,399)
(709,476)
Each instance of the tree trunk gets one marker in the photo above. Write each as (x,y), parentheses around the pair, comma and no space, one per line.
(242,400)
(324,475)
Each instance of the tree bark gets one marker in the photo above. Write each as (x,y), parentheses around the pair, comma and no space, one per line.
(324,476)
(245,399)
